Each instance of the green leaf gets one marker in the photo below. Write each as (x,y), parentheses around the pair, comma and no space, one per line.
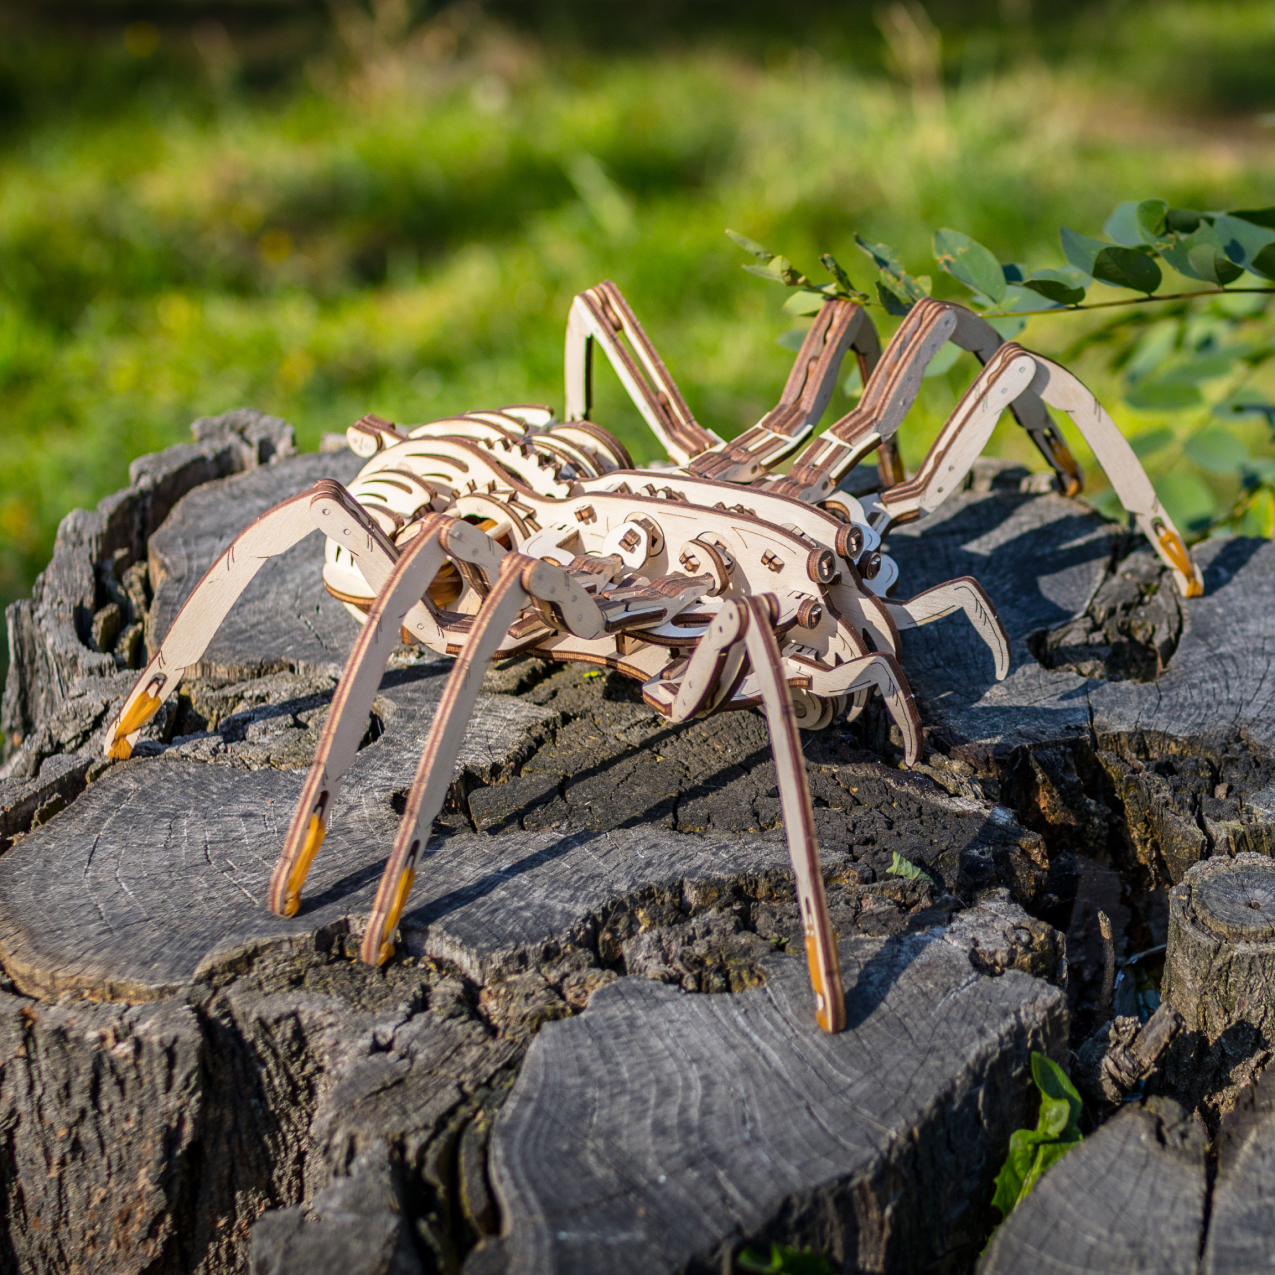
(943,360)
(894,304)
(803,301)
(1152,394)
(1151,220)
(1245,402)
(1213,264)
(1187,498)
(967,260)
(784,1260)
(1259,472)
(1258,518)
(1046,1156)
(834,268)
(765,272)
(1080,250)
(1241,240)
(750,246)
(793,339)
(901,867)
(1151,440)
(1264,263)
(1055,1087)
(1122,225)
(1055,285)
(1216,451)
(885,257)
(1200,255)
(1202,367)
(1256,216)
(1183,221)
(1008,329)
(1127,268)
(1019,297)
(1157,343)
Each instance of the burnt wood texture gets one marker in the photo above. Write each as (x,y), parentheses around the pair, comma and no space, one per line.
(600,981)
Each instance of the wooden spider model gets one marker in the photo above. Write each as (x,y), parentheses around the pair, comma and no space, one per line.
(714,582)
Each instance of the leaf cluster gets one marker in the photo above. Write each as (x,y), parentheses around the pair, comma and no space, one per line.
(784,1260)
(1032,1151)
(1188,360)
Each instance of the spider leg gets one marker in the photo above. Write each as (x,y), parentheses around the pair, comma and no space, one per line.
(603,316)
(882,672)
(961,440)
(412,574)
(975,334)
(962,594)
(888,396)
(711,675)
(799,819)
(326,505)
(1060,389)
(838,326)
(519,581)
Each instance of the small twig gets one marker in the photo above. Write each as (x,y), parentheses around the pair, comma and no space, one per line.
(1107,305)
(1108,968)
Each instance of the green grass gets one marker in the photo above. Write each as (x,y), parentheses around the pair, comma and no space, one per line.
(402,232)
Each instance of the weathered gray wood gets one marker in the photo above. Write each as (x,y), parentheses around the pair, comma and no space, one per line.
(1040,558)
(1220,964)
(1241,1239)
(157,875)
(1130,1198)
(608,847)
(48,634)
(170,857)
(1185,764)
(285,619)
(657,1128)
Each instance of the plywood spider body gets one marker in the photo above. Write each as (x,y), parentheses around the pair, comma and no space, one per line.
(713,581)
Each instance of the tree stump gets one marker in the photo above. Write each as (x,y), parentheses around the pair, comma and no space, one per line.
(1220,966)
(1129,1198)
(601,889)
(1241,1238)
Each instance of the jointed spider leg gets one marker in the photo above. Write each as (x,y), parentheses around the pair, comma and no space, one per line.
(327,506)
(799,819)
(962,594)
(839,325)
(881,671)
(602,315)
(520,581)
(888,396)
(347,717)
(961,440)
(1060,389)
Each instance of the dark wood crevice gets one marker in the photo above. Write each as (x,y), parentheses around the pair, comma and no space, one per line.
(595,875)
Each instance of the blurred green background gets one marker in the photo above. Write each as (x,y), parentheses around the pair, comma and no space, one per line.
(323,210)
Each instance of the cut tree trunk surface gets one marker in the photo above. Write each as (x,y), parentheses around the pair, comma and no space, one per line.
(285,618)
(656,1130)
(1042,559)
(1131,1198)
(1241,1236)
(334,1117)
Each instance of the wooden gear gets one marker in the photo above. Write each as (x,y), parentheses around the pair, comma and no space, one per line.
(716,584)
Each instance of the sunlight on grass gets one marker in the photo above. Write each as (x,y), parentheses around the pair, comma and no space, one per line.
(410,246)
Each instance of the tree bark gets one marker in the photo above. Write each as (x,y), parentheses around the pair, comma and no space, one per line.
(1130,1198)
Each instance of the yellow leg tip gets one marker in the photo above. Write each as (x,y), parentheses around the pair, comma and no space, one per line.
(121,749)
(291,905)
(385,952)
